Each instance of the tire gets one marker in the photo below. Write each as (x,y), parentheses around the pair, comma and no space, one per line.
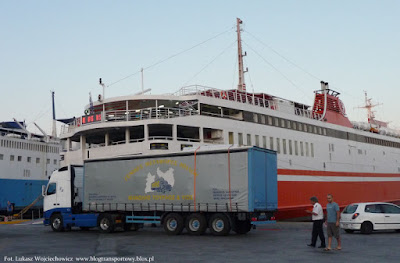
(56,222)
(106,223)
(127,226)
(173,224)
(241,227)
(350,231)
(136,226)
(196,224)
(367,228)
(219,224)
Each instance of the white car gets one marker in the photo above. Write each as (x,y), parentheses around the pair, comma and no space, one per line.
(367,217)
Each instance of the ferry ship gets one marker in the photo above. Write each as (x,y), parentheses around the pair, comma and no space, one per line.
(26,162)
(320,150)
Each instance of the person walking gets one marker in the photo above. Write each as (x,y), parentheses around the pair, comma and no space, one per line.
(317,216)
(9,210)
(333,224)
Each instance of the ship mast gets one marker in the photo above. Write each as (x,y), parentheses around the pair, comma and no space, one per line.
(241,84)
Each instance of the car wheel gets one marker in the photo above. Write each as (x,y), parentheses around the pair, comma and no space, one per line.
(349,231)
(57,223)
(367,228)
(219,224)
(173,224)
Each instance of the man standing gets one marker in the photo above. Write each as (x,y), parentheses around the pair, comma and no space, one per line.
(318,219)
(333,224)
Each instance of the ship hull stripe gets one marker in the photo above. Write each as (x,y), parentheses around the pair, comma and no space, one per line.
(332,174)
(314,178)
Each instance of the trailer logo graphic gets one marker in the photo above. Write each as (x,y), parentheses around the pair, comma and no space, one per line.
(161,182)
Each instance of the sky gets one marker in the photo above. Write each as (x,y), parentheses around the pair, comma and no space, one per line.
(66,46)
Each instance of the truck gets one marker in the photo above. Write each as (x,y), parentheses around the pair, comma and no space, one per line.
(224,189)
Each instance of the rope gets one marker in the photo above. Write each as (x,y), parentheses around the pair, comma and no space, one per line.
(172,56)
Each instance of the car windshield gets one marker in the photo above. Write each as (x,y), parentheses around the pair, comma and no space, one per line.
(350,209)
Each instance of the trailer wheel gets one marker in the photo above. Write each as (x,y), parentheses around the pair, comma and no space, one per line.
(241,227)
(219,224)
(196,224)
(56,223)
(173,224)
(106,223)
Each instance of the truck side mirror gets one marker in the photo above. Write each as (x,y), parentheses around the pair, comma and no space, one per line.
(43,190)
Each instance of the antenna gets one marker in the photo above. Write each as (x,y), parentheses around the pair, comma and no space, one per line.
(142,81)
(102,99)
(241,84)
(54,130)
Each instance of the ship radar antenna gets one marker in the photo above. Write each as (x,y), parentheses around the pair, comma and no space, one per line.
(241,84)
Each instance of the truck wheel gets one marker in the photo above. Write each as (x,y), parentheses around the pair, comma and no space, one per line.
(241,227)
(219,224)
(136,226)
(127,226)
(56,223)
(196,224)
(173,224)
(106,223)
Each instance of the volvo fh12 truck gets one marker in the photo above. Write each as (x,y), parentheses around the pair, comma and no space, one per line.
(220,189)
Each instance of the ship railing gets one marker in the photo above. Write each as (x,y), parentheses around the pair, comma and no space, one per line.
(261,100)
(187,139)
(134,115)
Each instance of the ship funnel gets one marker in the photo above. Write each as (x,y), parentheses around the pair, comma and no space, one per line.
(322,85)
(326,85)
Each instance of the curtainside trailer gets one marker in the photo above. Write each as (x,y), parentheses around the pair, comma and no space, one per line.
(218,189)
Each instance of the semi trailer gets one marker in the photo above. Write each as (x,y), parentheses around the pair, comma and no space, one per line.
(224,189)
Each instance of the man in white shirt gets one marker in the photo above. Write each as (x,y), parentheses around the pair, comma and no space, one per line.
(318,220)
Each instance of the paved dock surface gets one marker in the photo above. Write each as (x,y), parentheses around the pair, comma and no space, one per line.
(281,242)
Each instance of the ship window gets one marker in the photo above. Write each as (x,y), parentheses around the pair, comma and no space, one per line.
(257,140)
(278,145)
(284,146)
(269,120)
(188,133)
(324,131)
(158,146)
(19,158)
(296,148)
(290,147)
(136,134)
(29,159)
(294,125)
(264,142)
(231,138)
(305,127)
(289,126)
(48,161)
(276,122)
(1,156)
(300,126)
(248,140)
(55,162)
(312,150)
(255,117)
(160,131)
(359,151)
(263,119)
(37,160)
(51,189)
(310,128)
(301,149)
(1,143)
(307,151)
(283,123)
(186,146)
(271,143)
(240,135)
(213,135)
(12,158)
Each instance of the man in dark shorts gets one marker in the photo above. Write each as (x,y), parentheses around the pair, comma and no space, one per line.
(333,224)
